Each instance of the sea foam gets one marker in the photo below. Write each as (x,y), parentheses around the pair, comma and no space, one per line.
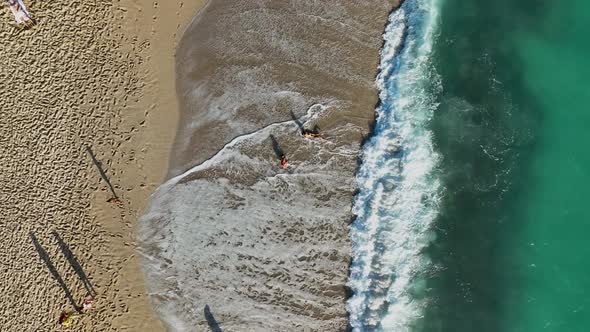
(398,185)
(184,233)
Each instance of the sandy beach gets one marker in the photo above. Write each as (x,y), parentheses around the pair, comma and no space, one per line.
(292,166)
(89,74)
(100,79)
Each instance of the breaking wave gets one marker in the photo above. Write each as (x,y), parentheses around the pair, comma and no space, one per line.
(399,188)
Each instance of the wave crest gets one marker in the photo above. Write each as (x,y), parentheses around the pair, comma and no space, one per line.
(399,190)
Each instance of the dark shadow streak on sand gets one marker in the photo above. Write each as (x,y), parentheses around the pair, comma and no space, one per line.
(102,173)
(74,263)
(213,324)
(45,258)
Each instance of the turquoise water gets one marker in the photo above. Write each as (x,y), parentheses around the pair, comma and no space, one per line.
(511,251)
(556,64)
(472,212)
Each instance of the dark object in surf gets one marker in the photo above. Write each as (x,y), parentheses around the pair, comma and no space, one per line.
(279,151)
(211,321)
(313,133)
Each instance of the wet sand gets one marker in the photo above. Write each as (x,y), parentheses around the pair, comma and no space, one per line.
(232,239)
(94,74)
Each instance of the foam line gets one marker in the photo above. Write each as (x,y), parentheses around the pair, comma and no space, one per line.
(398,187)
(312,113)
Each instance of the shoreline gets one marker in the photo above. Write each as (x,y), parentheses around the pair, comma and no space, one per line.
(105,82)
(153,120)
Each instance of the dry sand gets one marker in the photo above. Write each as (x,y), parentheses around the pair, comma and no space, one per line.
(237,241)
(91,73)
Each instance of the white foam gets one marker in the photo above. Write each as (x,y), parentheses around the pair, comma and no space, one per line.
(398,187)
(167,232)
(228,149)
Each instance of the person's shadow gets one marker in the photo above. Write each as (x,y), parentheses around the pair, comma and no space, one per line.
(45,258)
(74,263)
(213,324)
(276,147)
(102,173)
(297,122)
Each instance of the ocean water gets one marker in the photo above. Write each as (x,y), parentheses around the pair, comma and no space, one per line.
(497,240)
(555,59)
(399,190)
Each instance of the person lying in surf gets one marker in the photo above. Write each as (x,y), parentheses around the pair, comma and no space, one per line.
(312,135)
(21,16)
